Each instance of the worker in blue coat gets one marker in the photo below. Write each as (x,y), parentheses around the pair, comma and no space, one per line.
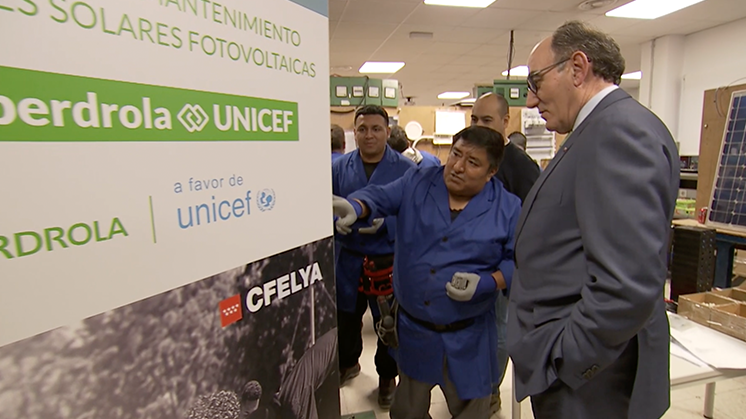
(454,253)
(364,265)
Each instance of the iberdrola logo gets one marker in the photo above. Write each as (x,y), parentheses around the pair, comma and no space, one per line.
(193,117)
(41,106)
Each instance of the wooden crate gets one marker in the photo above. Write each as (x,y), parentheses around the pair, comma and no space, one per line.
(698,307)
(736,294)
(730,319)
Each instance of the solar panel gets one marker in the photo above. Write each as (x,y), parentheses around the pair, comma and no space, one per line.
(728,203)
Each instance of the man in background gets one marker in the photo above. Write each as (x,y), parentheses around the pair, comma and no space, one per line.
(399,141)
(517,174)
(364,262)
(587,330)
(519,139)
(338,142)
(518,171)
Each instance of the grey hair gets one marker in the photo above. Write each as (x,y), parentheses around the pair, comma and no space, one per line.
(602,50)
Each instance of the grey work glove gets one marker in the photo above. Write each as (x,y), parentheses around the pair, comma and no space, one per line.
(462,286)
(377,223)
(346,214)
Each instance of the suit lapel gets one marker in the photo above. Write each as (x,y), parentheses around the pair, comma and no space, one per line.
(540,182)
(611,98)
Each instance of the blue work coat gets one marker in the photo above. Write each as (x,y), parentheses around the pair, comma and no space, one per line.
(428,160)
(348,176)
(429,250)
(336,155)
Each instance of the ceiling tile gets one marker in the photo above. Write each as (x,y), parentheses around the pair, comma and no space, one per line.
(364,31)
(500,18)
(451,48)
(542,5)
(553,20)
(527,38)
(455,69)
(721,11)
(469,35)
(436,58)
(612,24)
(379,11)
(441,16)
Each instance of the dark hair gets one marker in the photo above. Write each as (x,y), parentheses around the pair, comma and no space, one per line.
(338,137)
(398,139)
(601,49)
(487,138)
(518,139)
(373,110)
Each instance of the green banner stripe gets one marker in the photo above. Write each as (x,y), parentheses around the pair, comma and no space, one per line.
(41,106)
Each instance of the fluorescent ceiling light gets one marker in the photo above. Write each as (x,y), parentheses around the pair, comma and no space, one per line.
(453,95)
(469,100)
(381,67)
(637,75)
(650,9)
(460,3)
(520,71)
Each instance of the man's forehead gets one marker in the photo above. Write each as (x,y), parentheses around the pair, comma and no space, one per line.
(371,119)
(541,53)
(486,105)
(469,149)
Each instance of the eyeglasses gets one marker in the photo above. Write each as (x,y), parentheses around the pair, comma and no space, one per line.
(534,78)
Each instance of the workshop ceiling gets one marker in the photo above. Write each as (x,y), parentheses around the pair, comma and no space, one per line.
(470,46)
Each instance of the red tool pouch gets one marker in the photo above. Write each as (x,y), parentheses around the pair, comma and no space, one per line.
(377,274)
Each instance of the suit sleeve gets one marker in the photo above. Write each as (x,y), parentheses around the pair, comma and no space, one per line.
(622,191)
(384,200)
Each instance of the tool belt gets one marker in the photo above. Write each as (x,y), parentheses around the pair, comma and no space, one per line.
(440,328)
(377,274)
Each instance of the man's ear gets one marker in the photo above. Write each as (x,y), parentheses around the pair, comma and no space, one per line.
(581,67)
(506,122)
(388,132)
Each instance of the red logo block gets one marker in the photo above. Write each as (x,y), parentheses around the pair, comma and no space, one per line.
(230,310)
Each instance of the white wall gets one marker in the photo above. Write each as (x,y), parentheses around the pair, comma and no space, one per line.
(712,58)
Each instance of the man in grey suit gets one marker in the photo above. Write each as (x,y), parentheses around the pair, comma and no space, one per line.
(587,329)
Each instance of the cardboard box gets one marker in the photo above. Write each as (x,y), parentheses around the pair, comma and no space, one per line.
(735,294)
(730,319)
(698,307)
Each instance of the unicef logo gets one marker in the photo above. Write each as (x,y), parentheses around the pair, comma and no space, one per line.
(266,200)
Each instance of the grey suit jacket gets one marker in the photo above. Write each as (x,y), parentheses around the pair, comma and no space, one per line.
(591,250)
